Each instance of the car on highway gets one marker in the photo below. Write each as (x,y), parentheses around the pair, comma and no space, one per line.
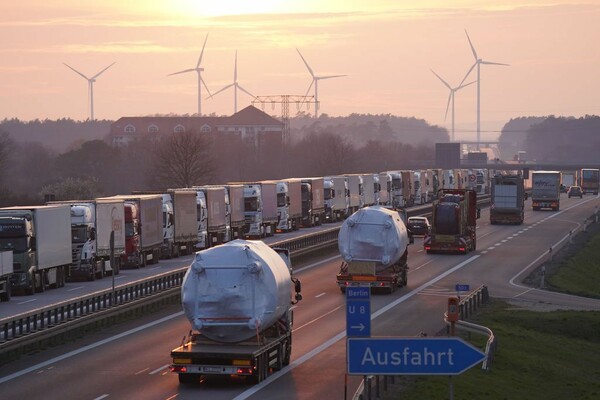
(575,191)
(418,225)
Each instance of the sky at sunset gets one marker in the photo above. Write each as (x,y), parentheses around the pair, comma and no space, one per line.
(386,48)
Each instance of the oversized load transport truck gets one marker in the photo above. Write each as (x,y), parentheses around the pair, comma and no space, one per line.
(237,299)
(373,243)
(454,215)
(6,271)
(143,229)
(40,239)
(545,190)
(91,225)
(508,200)
(590,180)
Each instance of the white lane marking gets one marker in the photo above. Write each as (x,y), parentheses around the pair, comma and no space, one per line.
(301,360)
(503,241)
(491,248)
(101,397)
(88,347)
(316,264)
(420,266)
(319,295)
(142,371)
(420,251)
(521,231)
(484,252)
(27,301)
(75,288)
(316,319)
(498,244)
(159,369)
(172,397)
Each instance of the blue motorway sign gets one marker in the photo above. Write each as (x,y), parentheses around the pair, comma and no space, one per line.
(358,311)
(462,288)
(411,356)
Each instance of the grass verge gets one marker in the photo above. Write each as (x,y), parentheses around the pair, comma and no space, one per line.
(540,355)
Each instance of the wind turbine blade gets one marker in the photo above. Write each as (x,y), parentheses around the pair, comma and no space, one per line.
(443,81)
(448,105)
(329,76)
(98,74)
(468,72)
(305,63)
(205,87)
(220,90)
(465,85)
(77,72)
(494,63)
(472,48)
(182,72)
(202,52)
(245,91)
(309,87)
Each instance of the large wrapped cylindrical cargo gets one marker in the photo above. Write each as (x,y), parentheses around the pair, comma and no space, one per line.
(233,291)
(373,234)
(447,217)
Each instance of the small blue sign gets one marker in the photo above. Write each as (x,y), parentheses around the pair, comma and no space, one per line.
(462,288)
(411,356)
(358,311)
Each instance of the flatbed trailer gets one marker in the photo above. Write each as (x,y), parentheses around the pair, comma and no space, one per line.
(364,275)
(253,359)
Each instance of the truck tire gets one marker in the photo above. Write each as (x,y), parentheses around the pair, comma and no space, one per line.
(189,378)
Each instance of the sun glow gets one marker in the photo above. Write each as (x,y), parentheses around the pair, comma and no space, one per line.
(215,8)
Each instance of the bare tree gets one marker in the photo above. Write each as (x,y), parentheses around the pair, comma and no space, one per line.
(72,189)
(183,159)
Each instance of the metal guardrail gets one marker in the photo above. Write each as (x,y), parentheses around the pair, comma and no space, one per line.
(59,315)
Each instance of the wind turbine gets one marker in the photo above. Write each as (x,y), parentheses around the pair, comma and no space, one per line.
(235,85)
(90,86)
(315,81)
(478,62)
(451,98)
(201,82)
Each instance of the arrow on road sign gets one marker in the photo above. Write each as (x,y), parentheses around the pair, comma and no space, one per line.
(359,327)
(411,356)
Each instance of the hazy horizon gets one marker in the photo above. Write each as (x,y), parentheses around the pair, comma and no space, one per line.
(386,48)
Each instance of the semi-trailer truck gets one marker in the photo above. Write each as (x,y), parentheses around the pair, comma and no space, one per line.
(590,180)
(545,190)
(40,239)
(373,243)
(453,229)
(507,203)
(237,299)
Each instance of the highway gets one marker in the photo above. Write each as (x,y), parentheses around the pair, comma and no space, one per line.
(131,360)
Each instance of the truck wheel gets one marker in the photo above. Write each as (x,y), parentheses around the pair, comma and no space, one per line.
(189,378)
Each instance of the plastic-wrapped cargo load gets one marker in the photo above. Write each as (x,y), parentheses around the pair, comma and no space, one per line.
(446,218)
(233,291)
(373,234)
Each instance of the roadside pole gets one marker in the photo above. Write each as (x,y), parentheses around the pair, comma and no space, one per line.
(452,316)
(112,266)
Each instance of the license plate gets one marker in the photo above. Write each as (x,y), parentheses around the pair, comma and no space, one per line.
(212,370)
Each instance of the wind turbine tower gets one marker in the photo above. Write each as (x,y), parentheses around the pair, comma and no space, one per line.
(90,86)
(315,81)
(201,82)
(235,85)
(478,63)
(451,98)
